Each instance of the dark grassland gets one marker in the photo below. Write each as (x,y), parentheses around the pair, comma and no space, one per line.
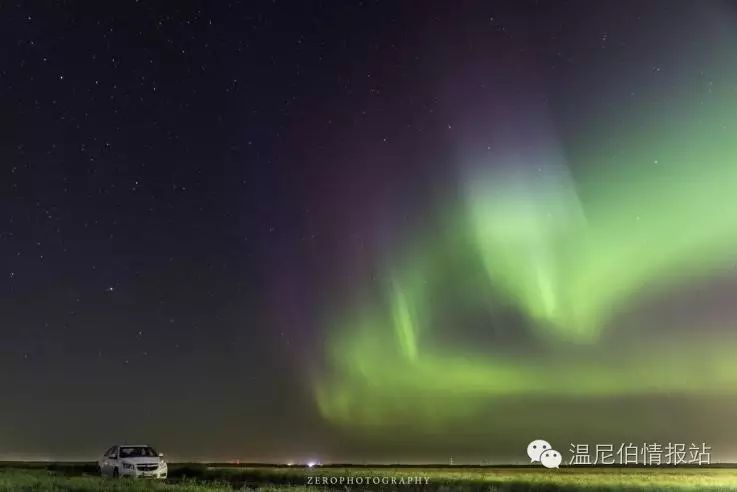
(82,477)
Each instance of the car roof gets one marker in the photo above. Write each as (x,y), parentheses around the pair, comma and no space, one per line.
(133,446)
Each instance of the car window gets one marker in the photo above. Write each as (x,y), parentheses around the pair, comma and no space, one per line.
(137,452)
(113,451)
(107,453)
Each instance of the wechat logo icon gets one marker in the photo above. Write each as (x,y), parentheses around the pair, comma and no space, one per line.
(541,451)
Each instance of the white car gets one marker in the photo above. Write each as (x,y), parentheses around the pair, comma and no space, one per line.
(133,460)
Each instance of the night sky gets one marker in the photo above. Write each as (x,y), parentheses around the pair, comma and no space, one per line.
(366,231)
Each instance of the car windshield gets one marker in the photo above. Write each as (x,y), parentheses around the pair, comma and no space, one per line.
(137,452)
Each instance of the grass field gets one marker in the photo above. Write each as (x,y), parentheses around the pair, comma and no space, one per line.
(201,478)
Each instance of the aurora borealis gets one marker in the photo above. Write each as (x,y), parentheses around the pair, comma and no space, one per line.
(367,231)
(570,241)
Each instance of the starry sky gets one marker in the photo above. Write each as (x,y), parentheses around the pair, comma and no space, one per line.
(366,231)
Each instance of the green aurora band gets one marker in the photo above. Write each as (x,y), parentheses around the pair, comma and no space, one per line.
(569,251)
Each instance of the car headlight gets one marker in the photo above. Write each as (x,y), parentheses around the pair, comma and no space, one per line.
(128,466)
(162,464)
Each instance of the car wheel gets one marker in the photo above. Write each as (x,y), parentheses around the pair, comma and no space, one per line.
(116,473)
